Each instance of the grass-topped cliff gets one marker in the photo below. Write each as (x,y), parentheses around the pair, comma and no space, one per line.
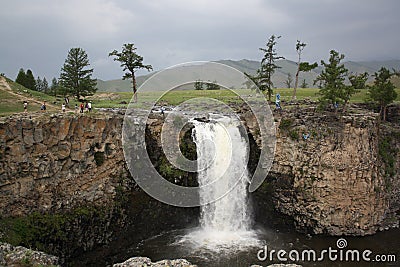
(12,96)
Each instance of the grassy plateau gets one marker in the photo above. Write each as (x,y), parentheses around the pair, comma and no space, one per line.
(11,101)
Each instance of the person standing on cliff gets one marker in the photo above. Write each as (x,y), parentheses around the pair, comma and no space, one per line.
(89,105)
(163,111)
(25,106)
(278,102)
(81,107)
(43,107)
(66,99)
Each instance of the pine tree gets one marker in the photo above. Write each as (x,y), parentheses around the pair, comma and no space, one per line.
(54,87)
(21,77)
(198,85)
(130,62)
(42,85)
(383,91)
(332,87)
(75,77)
(39,84)
(212,85)
(45,86)
(268,66)
(30,80)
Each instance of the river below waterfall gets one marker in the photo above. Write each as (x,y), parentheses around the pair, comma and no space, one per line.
(169,245)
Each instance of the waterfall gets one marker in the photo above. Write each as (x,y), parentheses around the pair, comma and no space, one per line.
(222,152)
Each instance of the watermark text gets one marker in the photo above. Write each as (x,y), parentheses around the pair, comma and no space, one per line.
(338,254)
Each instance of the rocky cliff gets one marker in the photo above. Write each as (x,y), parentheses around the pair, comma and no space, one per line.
(330,175)
(65,188)
(58,162)
(335,175)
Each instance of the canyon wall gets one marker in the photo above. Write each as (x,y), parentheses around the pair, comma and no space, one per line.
(328,174)
(334,181)
(53,163)
(65,187)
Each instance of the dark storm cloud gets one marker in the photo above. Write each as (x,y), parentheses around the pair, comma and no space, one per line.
(38,34)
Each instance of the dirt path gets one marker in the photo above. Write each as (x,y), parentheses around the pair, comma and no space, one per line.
(6,87)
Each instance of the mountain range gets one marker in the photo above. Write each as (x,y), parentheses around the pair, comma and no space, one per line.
(279,77)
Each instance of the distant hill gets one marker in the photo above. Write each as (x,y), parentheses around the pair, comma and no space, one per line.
(279,78)
(244,65)
(119,85)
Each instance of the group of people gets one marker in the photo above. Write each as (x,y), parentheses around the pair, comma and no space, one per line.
(87,106)
(83,107)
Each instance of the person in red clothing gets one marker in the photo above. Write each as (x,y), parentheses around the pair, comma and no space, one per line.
(82,107)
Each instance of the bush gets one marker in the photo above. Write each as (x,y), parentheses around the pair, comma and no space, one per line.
(286,124)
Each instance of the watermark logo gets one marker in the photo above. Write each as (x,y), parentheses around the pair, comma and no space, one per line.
(332,254)
(341,243)
(183,77)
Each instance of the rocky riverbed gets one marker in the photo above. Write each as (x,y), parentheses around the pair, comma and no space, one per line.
(11,256)
(21,256)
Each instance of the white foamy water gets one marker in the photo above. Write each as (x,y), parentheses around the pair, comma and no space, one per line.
(222,152)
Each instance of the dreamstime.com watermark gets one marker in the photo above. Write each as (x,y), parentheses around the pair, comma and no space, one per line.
(338,254)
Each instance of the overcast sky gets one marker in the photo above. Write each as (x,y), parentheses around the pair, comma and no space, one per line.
(38,34)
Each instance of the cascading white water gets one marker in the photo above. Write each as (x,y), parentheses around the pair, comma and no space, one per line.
(225,224)
(221,146)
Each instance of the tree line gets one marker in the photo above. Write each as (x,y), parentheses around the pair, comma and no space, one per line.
(201,85)
(76,77)
(333,93)
(27,80)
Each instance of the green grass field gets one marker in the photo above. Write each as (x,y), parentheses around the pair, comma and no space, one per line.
(312,94)
(10,103)
(176,97)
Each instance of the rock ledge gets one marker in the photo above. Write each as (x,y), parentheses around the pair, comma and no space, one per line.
(20,256)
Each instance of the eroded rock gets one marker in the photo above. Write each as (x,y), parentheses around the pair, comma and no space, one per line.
(21,256)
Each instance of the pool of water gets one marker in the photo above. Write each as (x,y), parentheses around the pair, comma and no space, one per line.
(206,253)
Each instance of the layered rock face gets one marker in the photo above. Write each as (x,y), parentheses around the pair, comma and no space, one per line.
(59,162)
(65,187)
(327,174)
(335,176)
